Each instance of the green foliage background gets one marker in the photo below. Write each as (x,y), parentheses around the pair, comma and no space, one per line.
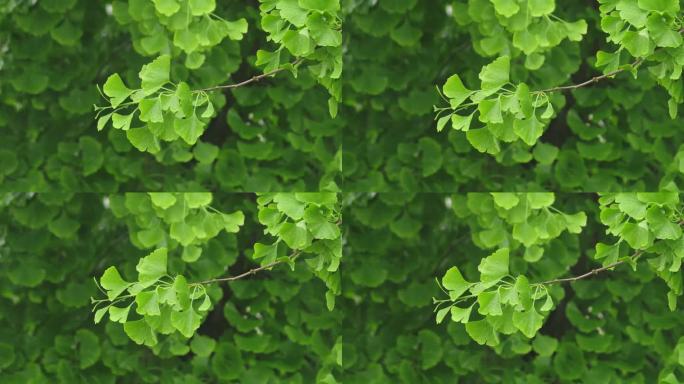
(403,109)
(611,328)
(612,135)
(273,327)
(272,135)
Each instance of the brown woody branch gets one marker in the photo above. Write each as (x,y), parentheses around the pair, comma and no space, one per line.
(596,271)
(250,80)
(253,271)
(593,271)
(595,79)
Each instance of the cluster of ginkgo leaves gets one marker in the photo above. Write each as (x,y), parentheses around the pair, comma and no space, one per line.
(167,26)
(45,293)
(530,28)
(168,113)
(308,29)
(510,112)
(306,222)
(648,30)
(298,225)
(516,220)
(165,304)
(174,220)
(506,303)
(649,224)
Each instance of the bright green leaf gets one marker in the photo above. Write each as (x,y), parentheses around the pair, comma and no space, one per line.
(495,266)
(151,267)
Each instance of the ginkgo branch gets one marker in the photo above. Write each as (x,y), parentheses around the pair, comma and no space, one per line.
(250,80)
(593,271)
(253,271)
(594,79)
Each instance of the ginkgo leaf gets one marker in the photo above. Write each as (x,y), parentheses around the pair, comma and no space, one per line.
(202,346)
(509,295)
(495,75)
(122,121)
(442,121)
(197,199)
(183,233)
(524,98)
(322,32)
(528,321)
(608,252)
(147,303)
(494,267)
(441,314)
(320,5)
(482,332)
(167,295)
(290,205)
(162,200)
(490,111)
(118,314)
(461,123)
(113,283)
(151,267)
(166,7)
(206,304)
(506,8)
(295,235)
(548,304)
(456,91)
(99,314)
(661,225)
(661,6)
(544,345)
(115,88)
(189,129)
(483,140)
(505,200)
(637,235)
(461,315)
(267,252)
(529,130)
(318,224)
(182,290)
(143,139)
(490,303)
(191,253)
(291,11)
(151,110)
(454,282)
(202,7)
(140,332)
(539,8)
(155,74)
(186,321)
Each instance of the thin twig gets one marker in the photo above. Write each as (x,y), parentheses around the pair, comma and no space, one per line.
(595,79)
(292,257)
(251,80)
(593,271)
